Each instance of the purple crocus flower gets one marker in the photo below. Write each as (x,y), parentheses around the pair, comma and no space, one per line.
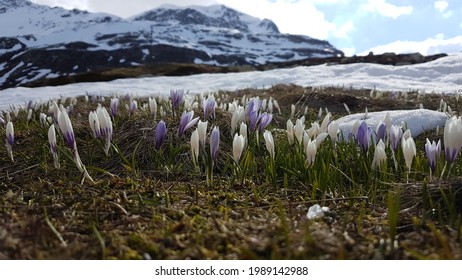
(364,136)
(209,107)
(30,104)
(395,136)
(253,120)
(66,128)
(176,97)
(114,106)
(432,150)
(265,120)
(133,107)
(186,122)
(160,132)
(381,132)
(253,107)
(214,142)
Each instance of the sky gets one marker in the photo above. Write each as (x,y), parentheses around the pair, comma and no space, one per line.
(354,26)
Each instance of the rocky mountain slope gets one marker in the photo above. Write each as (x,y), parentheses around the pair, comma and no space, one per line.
(39,42)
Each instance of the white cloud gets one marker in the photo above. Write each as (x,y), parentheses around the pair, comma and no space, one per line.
(441,5)
(344,30)
(296,17)
(67,4)
(386,9)
(429,46)
(349,51)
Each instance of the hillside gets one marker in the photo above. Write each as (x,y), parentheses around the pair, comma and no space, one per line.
(39,42)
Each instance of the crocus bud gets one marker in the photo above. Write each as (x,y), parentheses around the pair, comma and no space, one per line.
(380,156)
(153,107)
(214,142)
(106,128)
(269,141)
(432,151)
(114,105)
(10,139)
(160,132)
(381,132)
(290,132)
(265,120)
(195,147)
(395,136)
(66,128)
(94,124)
(253,117)
(299,128)
(52,141)
(452,138)
(333,130)
(243,130)
(310,151)
(238,115)
(176,98)
(209,107)
(29,115)
(202,129)
(364,136)
(238,146)
(133,107)
(409,150)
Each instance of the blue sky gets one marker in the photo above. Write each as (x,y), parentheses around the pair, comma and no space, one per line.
(354,26)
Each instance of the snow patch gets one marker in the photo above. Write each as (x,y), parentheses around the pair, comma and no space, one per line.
(418,121)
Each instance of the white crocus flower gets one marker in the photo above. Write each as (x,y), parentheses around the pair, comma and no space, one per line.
(292,110)
(409,150)
(153,107)
(290,132)
(333,130)
(320,138)
(238,116)
(380,156)
(10,139)
(52,141)
(243,130)
(202,130)
(238,147)
(310,151)
(195,147)
(314,130)
(269,141)
(325,123)
(94,124)
(106,127)
(299,129)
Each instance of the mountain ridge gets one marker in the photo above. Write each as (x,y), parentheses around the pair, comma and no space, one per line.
(44,42)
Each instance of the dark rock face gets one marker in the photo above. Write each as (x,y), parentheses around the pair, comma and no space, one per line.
(385,59)
(228,18)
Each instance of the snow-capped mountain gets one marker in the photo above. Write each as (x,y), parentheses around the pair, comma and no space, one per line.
(38,41)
